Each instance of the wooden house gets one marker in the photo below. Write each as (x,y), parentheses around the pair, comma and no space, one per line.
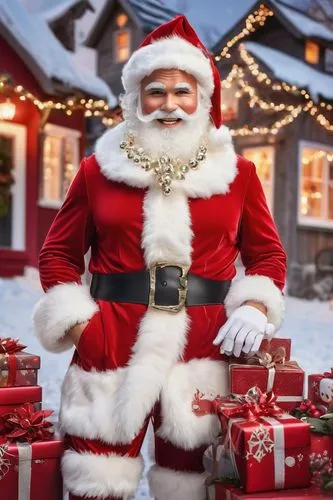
(43,102)
(119,29)
(276,64)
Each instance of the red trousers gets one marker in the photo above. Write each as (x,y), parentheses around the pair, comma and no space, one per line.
(166,454)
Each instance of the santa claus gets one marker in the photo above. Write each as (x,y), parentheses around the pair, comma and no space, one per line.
(165,205)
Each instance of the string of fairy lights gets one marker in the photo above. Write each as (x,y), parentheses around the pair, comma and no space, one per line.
(237,74)
(255,20)
(91,107)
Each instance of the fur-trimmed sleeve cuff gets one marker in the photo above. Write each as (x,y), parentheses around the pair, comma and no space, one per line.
(258,288)
(61,308)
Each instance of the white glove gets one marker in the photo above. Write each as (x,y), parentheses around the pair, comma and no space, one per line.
(243,331)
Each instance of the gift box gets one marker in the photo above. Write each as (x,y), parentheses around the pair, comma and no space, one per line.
(269,449)
(321,445)
(320,389)
(19,369)
(31,471)
(275,344)
(13,397)
(219,491)
(286,380)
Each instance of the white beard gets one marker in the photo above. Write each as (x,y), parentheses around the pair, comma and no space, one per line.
(180,142)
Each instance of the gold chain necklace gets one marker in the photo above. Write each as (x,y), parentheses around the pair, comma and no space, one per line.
(165,169)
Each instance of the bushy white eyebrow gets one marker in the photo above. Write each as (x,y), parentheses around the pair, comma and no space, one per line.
(155,85)
(183,85)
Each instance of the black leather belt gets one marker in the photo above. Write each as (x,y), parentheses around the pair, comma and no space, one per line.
(165,286)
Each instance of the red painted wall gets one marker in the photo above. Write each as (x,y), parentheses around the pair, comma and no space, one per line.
(38,219)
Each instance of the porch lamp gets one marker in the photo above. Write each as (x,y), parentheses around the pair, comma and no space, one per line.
(7,110)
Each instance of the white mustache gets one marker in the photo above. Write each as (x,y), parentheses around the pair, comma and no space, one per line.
(159,114)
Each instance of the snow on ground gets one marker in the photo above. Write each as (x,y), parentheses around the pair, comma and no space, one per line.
(308,324)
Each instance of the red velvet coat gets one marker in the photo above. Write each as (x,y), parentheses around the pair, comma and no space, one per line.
(115,208)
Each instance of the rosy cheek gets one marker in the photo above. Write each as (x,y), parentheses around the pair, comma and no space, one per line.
(150,104)
(189,105)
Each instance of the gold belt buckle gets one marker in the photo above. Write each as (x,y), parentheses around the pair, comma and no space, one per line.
(182,290)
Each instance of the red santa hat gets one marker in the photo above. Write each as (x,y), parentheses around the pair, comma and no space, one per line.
(175,45)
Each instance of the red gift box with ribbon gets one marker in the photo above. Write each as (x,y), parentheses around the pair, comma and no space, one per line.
(322,445)
(31,471)
(270,371)
(320,389)
(29,456)
(17,368)
(13,397)
(219,491)
(269,448)
(276,344)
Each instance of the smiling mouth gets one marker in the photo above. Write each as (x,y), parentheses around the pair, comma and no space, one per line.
(170,122)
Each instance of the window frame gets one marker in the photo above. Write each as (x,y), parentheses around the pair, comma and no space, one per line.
(302,220)
(115,46)
(53,130)
(328,53)
(270,202)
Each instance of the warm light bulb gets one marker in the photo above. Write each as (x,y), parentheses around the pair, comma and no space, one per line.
(7,110)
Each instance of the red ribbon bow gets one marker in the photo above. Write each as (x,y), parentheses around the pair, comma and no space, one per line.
(10,346)
(26,424)
(253,405)
(328,374)
(256,404)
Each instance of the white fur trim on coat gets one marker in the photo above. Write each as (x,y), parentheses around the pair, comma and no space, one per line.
(113,405)
(167,484)
(87,474)
(214,176)
(168,53)
(180,425)
(261,289)
(61,308)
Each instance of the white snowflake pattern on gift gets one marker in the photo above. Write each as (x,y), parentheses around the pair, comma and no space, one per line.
(260,444)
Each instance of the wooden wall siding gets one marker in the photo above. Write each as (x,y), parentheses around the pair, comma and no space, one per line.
(64,30)
(108,68)
(274,34)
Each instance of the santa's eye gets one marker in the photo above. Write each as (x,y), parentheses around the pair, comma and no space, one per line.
(182,91)
(156,92)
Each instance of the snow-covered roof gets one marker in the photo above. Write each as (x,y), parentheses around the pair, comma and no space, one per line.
(152,13)
(302,24)
(293,71)
(307,26)
(47,59)
(148,13)
(51,10)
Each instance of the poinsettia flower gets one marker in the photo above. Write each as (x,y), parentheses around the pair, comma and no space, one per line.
(10,346)
(26,424)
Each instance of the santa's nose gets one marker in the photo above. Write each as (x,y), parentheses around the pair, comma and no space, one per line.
(169,103)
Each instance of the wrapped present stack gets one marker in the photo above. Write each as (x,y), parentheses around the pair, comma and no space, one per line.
(29,453)
(273,443)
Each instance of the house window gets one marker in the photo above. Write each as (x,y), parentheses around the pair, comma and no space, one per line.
(316,185)
(122,45)
(121,20)
(311,52)
(229,101)
(60,161)
(329,60)
(263,158)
